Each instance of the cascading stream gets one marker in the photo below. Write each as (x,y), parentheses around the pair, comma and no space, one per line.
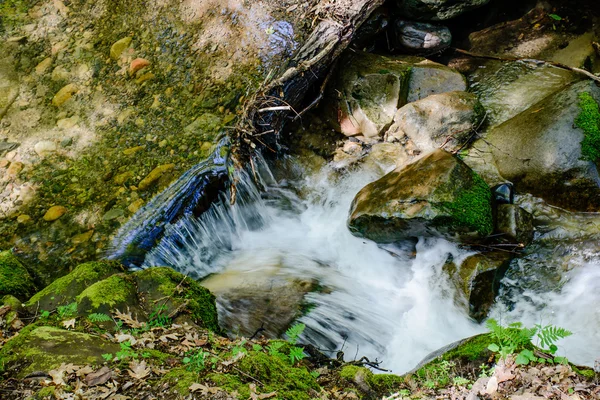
(384,303)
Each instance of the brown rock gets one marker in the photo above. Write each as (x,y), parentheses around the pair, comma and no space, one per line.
(155,175)
(54,213)
(138,64)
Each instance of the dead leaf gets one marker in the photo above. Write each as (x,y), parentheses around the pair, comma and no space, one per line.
(99,377)
(17,324)
(128,319)
(256,396)
(165,338)
(58,375)
(198,387)
(84,371)
(138,370)
(70,323)
(123,337)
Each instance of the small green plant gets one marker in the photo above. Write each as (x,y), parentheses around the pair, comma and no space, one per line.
(293,333)
(239,348)
(555,17)
(107,356)
(67,311)
(438,374)
(98,318)
(588,120)
(257,347)
(195,360)
(273,349)
(126,351)
(508,340)
(460,381)
(157,319)
(45,314)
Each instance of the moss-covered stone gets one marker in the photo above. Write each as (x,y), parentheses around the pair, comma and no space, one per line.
(163,287)
(438,195)
(589,121)
(289,382)
(45,348)
(64,290)
(382,384)
(14,277)
(46,393)
(180,379)
(115,292)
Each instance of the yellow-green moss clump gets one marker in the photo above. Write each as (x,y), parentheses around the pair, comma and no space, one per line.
(180,379)
(588,120)
(45,348)
(64,290)
(14,277)
(382,384)
(159,283)
(114,291)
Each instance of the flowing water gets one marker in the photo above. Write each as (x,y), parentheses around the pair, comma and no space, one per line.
(393,304)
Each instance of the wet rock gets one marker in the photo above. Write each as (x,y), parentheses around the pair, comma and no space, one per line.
(428,77)
(46,348)
(82,237)
(504,193)
(155,175)
(444,120)
(437,10)
(14,169)
(267,298)
(64,290)
(64,94)
(137,65)
(121,178)
(45,147)
(15,279)
(119,46)
(386,156)
(54,213)
(540,151)
(43,66)
(367,93)
(133,150)
(5,147)
(421,37)
(136,205)
(145,77)
(477,280)
(514,223)
(438,195)
(23,219)
(113,213)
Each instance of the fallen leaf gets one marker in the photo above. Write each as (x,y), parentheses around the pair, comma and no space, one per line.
(58,375)
(256,396)
(70,323)
(128,319)
(165,338)
(138,370)
(99,377)
(84,371)
(123,337)
(195,387)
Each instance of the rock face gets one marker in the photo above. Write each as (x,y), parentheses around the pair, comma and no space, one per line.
(437,10)
(421,37)
(444,120)
(370,89)
(540,151)
(477,280)
(368,92)
(437,195)
(514,223)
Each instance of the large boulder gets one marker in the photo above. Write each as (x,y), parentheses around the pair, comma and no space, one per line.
(371,88)
(438,195)
(445,120)
(437,10)
(551,149)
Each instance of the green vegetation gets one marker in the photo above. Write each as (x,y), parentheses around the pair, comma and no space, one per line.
(67,311)
(181,378)
(381,383)
(588,120)
(508,340)
(14,277)
(99,317)
(473,208)
(107,293)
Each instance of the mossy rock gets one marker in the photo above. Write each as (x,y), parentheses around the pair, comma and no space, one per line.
(466,355)
(438,195)
(117,292)
(15,308)
(14,277)
(289,382)
(64,290)
(45,348)
(164,288)
(180,380)
(370,383)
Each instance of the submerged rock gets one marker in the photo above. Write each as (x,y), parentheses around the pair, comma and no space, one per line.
(541,150)
(421,37)
(514,223)
(445,120)
(437,195)
(437,10)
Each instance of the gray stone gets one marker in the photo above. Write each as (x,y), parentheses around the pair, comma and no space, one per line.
(539,150)
(514,223)
(421,37)
(445,120)
(438,195)
(428,77)
(437,10)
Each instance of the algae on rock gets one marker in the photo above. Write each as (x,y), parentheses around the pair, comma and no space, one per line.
(14,277)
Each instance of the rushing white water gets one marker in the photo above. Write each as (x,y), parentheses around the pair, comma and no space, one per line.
(381,303)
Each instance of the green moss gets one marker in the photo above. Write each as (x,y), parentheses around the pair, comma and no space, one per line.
(350,371)
(231,383)
(46,393)
(11,301)
(158,283)
(289,382)
(42,348)
(588,120)
(116,289)
(386,383)
(472,349)
(587,373)
(156,355)
(473,207)
(14,277)
(64,290)
(181,379)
